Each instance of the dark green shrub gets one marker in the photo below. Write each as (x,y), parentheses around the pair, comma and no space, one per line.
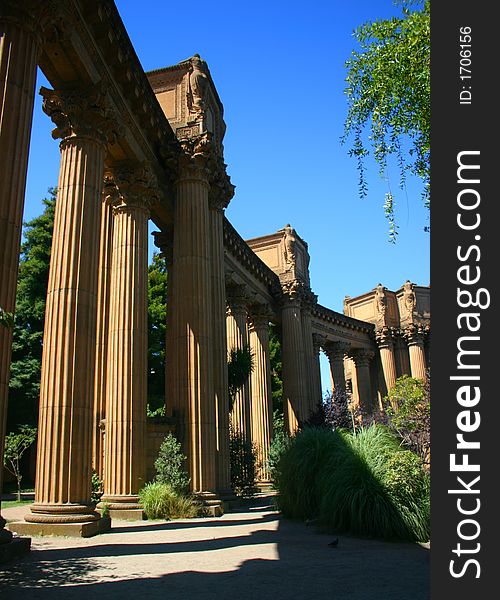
(162,501)
(169,465)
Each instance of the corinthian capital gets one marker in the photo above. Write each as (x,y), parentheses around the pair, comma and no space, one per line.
(362,356)
(81,112)
(260,315)
(336,350)
(385,337)
(131,186)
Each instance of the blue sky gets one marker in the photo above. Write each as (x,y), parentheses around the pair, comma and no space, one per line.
(279,70)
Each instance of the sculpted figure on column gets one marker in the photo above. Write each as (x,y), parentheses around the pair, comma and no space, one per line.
(380,303)
(409,299)
(198,82)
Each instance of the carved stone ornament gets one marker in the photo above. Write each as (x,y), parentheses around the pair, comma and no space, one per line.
(260,315)
(289,245)
(385,337)
(380,302)
(131,187)
(47,20)
(409,299)
(336,350)
(81,112)
(295,290)
(197,87)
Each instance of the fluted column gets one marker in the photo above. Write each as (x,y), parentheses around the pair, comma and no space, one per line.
(216,218)
(293,368)
(19,48)
(63,485)
(128,340)
(310,360)
(262,401)
(191,300)
(362,360)
(103,312)
(335,352)
(385,342)
(237,338)
(415,340)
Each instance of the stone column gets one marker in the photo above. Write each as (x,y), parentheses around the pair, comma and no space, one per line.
(218,203)
(415,340)
(63,479)
(191,306)
(310,358)
(385,342)
(103,301)
(126,396)
(362,360)
(293,369)
(237,338)
(262,401)
(19,48)
(335,352)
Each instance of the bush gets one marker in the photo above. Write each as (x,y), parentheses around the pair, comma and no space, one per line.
(169,465)
(162,501)
(362,484)
(97,487)
(242,458)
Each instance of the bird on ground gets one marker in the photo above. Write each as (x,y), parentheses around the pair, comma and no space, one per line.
(334,543)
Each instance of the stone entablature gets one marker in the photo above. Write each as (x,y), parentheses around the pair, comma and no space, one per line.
(394,309)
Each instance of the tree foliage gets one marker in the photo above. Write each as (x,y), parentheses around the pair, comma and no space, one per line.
(16,444)
(408,409)
(170,465)
(25,370)
(157,314)
(276,368)
(388,92)
(239,367)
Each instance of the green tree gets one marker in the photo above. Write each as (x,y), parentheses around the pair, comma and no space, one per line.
(16,445)
(388,88)
(276,376)
(170,465)
(24,384)
(157,313)
(409,409)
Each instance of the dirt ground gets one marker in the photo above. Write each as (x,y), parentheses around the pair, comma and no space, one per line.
(251,553)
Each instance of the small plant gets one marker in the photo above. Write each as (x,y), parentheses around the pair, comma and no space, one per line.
(97,488)
(162,501)
(105,511)
(157,412)
(242,458)
(169,465)
(16,445)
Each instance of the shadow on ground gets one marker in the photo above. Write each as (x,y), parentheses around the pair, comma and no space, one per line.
(299,564)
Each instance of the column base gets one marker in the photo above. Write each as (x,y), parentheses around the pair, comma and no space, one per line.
(211,504)
(85,529)
(123,508)
(16,548)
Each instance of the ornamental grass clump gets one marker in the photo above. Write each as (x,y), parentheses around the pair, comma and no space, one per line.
(360,483)
(162,501)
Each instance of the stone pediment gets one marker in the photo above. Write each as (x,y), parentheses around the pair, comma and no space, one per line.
(189,99)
